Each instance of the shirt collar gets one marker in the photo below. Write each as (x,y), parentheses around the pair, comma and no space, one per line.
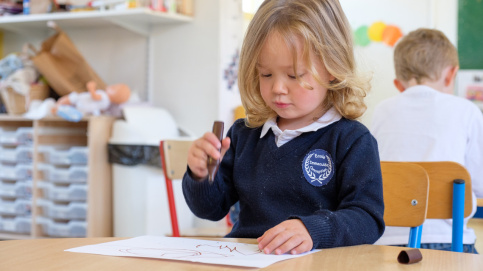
(328,118)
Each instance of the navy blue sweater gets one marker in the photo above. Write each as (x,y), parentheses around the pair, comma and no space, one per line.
(329,179)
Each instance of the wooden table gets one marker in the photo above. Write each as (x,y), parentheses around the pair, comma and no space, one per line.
(49,254)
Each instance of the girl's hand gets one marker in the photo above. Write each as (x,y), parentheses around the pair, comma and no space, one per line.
(199,151)
(289,236)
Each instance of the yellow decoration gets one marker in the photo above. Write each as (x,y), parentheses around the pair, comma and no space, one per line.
(248,16)
(375,31)
(239,112)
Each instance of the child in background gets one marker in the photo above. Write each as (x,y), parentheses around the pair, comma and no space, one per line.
(306,174)
(427,123)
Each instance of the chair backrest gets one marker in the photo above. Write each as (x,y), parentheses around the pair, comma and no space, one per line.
(450,196)
(406,190)
(174,157)
(441,177)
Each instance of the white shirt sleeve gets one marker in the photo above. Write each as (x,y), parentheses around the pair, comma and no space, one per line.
(474,153)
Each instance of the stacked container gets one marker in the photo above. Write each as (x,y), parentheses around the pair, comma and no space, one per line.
(63,186)
(16,167)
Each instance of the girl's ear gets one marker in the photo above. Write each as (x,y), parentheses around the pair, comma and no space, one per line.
(331,78)
(399,85)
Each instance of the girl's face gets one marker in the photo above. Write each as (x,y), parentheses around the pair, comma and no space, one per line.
(295,105)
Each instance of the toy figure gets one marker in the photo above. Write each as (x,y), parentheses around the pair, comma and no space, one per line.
(75,105)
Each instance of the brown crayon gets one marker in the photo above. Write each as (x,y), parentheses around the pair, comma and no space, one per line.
(213,164)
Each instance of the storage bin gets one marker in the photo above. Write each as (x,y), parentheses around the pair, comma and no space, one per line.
(17,224)
(15,207)
(71,192)
(72,210)
(65,156)
(20,154)
(17,104)
(21,136)
(72,228)
(72,174)
(16,172)
(17,189)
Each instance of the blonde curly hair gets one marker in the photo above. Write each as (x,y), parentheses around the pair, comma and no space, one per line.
(326,34)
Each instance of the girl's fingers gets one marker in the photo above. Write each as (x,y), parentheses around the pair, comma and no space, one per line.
(289,245)
(201,149)
(225,145)
(275,244)
(303,247)
(210,145)
(289,236)
(267,238)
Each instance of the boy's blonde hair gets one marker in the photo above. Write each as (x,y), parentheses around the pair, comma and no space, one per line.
(326,34)
(423,54)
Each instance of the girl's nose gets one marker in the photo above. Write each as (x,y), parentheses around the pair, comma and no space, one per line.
(279,87)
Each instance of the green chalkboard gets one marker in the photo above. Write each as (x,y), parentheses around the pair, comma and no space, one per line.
(470,34)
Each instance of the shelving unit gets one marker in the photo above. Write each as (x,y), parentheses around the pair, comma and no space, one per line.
(139,20)
(93,133)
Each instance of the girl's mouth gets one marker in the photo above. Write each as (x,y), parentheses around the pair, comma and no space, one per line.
(281,105)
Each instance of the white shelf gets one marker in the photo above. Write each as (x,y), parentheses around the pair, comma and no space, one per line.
(139,20)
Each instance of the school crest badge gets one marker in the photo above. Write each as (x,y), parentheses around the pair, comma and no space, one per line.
(318,167)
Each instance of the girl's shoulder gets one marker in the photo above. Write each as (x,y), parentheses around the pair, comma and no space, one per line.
(350,130)
(240,133)
(351,126)
(240,127)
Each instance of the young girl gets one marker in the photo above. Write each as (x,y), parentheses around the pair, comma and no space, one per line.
(306,174)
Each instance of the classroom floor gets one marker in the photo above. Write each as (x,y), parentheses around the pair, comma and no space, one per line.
(477,225)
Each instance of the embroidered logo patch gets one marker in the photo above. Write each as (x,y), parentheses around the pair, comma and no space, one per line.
(318,167)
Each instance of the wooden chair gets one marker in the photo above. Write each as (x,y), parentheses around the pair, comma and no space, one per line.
(406,190)
(450,196)
(174,155)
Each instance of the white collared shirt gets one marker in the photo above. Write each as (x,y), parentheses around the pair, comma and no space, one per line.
(282,137)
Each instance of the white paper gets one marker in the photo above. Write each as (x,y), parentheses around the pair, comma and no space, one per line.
(184,249)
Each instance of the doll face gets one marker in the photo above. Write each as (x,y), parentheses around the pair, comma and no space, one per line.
(118,93)
(295,105)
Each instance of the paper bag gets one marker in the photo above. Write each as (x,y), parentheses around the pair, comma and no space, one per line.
(63,66)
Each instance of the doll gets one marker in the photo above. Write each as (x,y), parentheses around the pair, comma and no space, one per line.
(75,105)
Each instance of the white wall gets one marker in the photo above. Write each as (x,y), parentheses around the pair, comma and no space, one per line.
(186,68)
(190,60)
(231,37)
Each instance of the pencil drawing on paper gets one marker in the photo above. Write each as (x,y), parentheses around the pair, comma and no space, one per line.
(185,249)
(200,251)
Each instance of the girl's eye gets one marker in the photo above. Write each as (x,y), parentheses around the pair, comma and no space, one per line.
(265,75)
(295,77)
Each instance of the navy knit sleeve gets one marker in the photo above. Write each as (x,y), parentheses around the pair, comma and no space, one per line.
(213,201)
(358,218)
